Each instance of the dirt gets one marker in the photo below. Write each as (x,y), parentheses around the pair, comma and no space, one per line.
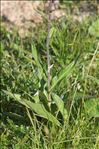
(25,14)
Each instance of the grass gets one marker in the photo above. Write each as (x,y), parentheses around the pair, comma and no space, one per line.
(23,73)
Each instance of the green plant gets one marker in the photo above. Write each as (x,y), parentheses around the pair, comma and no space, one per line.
(42,108)
(27,119)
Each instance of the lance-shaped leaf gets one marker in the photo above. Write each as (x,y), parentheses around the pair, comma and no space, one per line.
(40,110)
(36,107)
(60,105)
(34,54)
(63,73)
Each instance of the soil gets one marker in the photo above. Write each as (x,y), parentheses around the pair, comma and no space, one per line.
(25,14)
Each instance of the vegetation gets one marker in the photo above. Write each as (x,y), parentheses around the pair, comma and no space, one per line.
(71,120)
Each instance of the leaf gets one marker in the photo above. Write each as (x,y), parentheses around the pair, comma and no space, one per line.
(64,73)
(34,54)
(56,52)
(36,107)
(40,69)
(2,47)
(35,98)
(60,104)
(40,110)
(94,29)
(14,115)
(52,32)
(92,107)
(44,100)
(15,96)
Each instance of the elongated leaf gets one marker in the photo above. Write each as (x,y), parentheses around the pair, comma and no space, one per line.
(18,97)
(34,53)
(52,32)
(35,56)
(40,70)
(92,107)
(15,96)
(64,73)
(55,50)
(36,107)
(40,110)
(14,115)
(44,100)
(60,104)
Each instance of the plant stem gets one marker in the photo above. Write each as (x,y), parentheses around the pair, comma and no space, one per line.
(47,48)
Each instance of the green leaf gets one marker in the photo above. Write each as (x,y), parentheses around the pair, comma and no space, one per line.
(36,107)
(14,115)
(2,47)
(38,64)
(44,100)
(92,107)
(94,29)
(60,104)
(34,54)
(15,96)
(63,73)
(40,110)
(56,52)
(35,98)
(52,32)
